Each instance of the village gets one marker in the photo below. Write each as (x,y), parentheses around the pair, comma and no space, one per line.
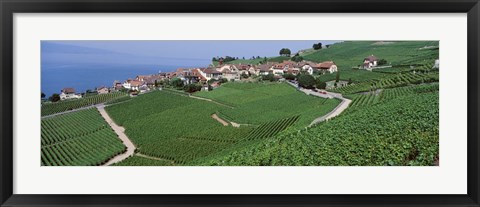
(212,76)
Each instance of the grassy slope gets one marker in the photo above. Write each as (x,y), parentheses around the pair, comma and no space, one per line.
(257,103)
(371,136)
(351,54)
(180,128)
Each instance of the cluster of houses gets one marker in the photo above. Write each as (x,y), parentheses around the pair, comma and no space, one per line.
(231,72)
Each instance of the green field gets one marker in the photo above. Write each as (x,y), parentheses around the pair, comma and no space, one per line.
(79,138)
(66,105)
(256,103)
(351,54)
(180,129)
(400,131)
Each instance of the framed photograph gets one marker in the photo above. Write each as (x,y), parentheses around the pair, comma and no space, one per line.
(236,103)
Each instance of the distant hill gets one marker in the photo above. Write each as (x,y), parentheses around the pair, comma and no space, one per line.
(351,53)
(255,61)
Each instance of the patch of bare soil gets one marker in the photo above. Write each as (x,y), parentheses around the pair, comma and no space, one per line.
(223,122)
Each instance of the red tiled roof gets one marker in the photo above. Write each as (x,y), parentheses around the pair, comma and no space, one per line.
(325,65)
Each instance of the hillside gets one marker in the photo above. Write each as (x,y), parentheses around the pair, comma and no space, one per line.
(400,129)
(350,54)
(255,61)
(177,128)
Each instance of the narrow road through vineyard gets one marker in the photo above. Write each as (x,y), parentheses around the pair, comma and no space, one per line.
(120,131)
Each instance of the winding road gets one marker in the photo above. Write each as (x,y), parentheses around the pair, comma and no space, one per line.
(335,112)
(120,131)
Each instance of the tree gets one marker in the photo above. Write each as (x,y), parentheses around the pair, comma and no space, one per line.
(317,46)
(211,81)
(54,98)
(223,80)
(244,76)
(289,76)
(306,81)
(327,46)
(190,88)
(350,81)
(337,77)
(177,83)
(43,95)
(214,59)
(269,77)
(285,52)
(320,84)
(297,58)
(382,62)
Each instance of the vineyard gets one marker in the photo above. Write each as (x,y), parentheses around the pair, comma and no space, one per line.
(399,80)
(401,131)
(272,128)
(392,93)
(257,103)
(179,128)
(80,138)
(350,54)
(142,161)
(66,105)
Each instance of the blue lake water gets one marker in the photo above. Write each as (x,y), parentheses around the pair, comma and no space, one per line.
(82,77)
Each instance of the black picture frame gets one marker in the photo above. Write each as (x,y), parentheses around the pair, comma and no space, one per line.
(9,7)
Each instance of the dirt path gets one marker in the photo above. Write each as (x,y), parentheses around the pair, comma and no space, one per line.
(120,132)
(335,112)
(214,116)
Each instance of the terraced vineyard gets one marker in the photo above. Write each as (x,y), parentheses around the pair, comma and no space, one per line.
(118,100)
(392,93)
(61,106)
(78,139)
(142,161)
(365,100)
(400,131)
(272,128)
(257,103)
(179,128)
(399,80)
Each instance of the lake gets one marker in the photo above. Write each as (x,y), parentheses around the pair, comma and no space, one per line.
(82,77)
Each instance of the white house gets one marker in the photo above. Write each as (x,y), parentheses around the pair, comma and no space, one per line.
(69,93)
(307,67)
(369,62)
(231,76)
(327,66)
(209,73)
(102,90)
(277,69)
(133,85)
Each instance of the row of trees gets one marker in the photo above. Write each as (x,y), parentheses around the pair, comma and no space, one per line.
(229,58)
